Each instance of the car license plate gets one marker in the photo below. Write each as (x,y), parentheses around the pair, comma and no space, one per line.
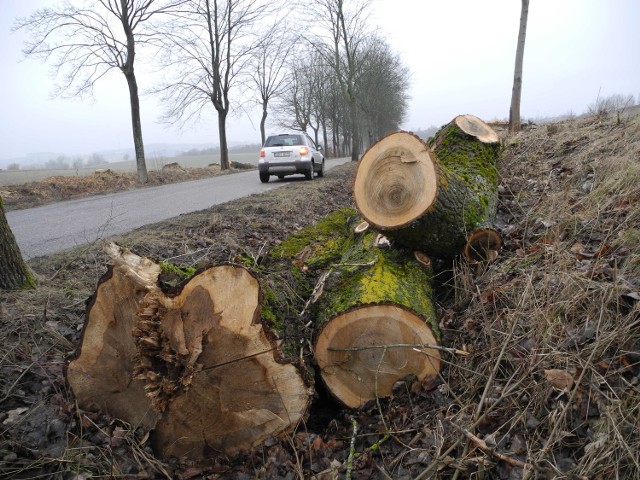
(281,154)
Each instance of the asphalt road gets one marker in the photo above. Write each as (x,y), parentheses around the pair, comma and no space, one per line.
(58,226)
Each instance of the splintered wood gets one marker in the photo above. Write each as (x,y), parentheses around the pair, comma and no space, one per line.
(197,368)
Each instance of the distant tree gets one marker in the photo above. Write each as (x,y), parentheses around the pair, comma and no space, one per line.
(346,23)
(268,72)
(13,166)
(211,43)
(97,159)
(60,163)
(14,273)
(87,39)
(514,111)
(382,87)
(77,163)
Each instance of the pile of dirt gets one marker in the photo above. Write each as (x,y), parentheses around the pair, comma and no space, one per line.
(57,188)
(548,387)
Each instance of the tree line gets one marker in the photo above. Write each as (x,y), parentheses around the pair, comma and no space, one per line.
(316,66)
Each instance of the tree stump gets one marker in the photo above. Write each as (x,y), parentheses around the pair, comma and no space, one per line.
(433,199)
(195,366)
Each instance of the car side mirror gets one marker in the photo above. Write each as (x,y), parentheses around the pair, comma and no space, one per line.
(319,148)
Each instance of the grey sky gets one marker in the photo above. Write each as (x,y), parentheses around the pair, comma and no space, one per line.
(461,54)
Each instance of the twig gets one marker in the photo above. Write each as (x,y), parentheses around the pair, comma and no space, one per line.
(414,346)
(352,449)
(482,445)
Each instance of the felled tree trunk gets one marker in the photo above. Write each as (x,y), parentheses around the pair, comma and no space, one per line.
(375,311)
(196,367)
(366,307)
(433,199)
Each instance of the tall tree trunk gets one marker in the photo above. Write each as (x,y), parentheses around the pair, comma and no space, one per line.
(141,165)
(224,149)
(514,112)
(327,153)
(134,99)
(263,120)
(14,273)
(355,137)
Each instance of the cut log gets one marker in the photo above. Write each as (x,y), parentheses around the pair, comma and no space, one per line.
(361,304)
(431,199)
(376,309)
(196,367)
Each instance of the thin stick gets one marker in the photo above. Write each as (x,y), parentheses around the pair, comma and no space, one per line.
(414,346)
(352,449)
(482,445)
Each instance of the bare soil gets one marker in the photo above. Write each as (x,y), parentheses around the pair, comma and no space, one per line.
(549,388)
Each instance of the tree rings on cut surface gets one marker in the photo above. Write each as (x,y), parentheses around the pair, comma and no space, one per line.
(473,126)
(364,351)
(396,181)
(482,245)
(194,366)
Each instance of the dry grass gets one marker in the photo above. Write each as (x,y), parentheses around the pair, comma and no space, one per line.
(551,384)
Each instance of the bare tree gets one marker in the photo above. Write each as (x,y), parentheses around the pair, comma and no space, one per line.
(269,73)
(86,40)
(210,44)
(514,111)
(296,101)
(14,273)
(382,88)
(346,23)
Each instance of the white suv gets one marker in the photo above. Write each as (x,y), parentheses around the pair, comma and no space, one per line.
(288,154)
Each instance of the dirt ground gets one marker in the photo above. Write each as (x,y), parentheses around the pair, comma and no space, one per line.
(549,387)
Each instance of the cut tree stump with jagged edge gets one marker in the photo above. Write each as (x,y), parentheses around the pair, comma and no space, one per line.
(196,367)
(440,198)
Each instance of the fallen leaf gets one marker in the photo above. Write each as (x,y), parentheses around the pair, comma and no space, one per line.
(560,379)
(14,415)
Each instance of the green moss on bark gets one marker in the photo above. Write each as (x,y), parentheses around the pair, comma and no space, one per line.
(368,274)
(467,196)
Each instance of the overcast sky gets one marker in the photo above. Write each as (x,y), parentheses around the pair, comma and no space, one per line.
(461,54)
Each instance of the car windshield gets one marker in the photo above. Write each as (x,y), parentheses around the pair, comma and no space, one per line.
(283,141)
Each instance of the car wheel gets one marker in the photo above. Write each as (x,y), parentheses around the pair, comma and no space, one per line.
(264,177)
(321,172)
(309,174)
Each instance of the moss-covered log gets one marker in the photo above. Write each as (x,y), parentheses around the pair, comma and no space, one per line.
(363,305)
(433,198)
(195,366)
(375,310)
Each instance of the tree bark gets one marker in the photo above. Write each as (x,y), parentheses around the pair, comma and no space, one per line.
(134,99)
(14,273)
(431,200)
(375,311)
(514,111)
(222,131)
(363,305)
(263,120)
(195,365)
